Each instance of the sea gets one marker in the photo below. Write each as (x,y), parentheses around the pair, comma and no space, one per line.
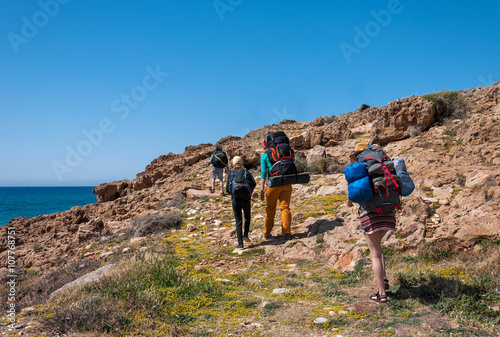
(33,201)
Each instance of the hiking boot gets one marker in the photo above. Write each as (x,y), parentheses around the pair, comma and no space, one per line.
(246,239)
(287,237)
(268,237)
(239,247)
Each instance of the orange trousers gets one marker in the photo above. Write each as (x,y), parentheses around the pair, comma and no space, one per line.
(283,194)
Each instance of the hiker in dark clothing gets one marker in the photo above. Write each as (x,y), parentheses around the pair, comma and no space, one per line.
(219,162)
(240,184)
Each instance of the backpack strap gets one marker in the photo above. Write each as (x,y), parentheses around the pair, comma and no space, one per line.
(388,174)
(248,183)
(233,177)
(275,173)
(216,156)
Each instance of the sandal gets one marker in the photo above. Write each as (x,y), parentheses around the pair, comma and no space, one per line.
(386,284)
(378,298)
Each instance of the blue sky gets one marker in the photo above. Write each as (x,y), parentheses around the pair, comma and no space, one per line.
(93,91)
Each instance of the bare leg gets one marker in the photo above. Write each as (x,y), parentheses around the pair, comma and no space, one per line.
(374,241)
(383,263)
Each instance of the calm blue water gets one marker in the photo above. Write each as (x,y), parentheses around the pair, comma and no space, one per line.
(32,201)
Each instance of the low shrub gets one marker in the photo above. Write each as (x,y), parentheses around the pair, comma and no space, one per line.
(301,162)
(323,165)
(357,134)
(449,105)
(326,166)
(179,201)
(36,287)
(90,314)
(153,223)
(461,179)
(415,131)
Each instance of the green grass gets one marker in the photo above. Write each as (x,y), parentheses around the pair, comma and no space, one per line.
(353,278)
(448,283)
(271,308)
(153,285)
(320,238)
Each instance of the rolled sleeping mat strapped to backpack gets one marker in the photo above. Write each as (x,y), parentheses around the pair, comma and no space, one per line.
(360,190)
(299,178)
(355,172)
(407,186)
(359,186)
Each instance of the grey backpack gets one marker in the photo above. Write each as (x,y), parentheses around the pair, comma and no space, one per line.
(385,182)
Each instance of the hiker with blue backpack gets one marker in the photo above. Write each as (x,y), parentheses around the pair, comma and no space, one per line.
(376,183)
(240,185)
(219,162)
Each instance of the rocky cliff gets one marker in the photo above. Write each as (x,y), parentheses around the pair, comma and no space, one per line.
(452,151)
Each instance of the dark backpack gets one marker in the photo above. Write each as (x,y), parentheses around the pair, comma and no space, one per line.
(384,180)
(240,187)
(276,137)
(219,159)
(280,154)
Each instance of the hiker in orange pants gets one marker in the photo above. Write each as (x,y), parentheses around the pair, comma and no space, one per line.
(282,194)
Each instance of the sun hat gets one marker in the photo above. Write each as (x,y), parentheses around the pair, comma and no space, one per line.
(358,149)
(238,160)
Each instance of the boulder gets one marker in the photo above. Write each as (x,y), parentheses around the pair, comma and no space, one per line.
(193,194)
(92,277)
(111,191)
(299,142)
(316,153)
(399,116)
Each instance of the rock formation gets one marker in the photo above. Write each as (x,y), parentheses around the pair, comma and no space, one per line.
(454,163)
